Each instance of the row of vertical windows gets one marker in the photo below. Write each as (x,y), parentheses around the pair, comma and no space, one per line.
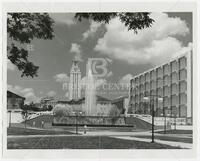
(175,66)
(159,84)
(174,111)
(166,90)
(167,101)
(167,80)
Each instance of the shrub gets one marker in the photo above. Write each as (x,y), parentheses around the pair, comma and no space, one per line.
(114,112)
(62,110)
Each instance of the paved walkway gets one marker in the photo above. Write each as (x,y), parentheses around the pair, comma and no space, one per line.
(36,136)
(133,133)
(171,143)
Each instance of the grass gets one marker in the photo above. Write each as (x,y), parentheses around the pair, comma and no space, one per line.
(23,131)
(176,132)
(81,142)
(168,138)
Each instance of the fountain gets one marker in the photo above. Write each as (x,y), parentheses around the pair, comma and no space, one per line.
(90,93)
(91,113)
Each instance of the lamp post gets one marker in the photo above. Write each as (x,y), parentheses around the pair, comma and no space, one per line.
(165,126)
(164,115)
(25,118)
(10,119)
(76,120)
(175,122)
(152,111)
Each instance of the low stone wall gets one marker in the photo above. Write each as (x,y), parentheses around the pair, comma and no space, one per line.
(89,120)
(37,121)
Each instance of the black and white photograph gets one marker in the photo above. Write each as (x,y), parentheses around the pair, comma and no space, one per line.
(99,80)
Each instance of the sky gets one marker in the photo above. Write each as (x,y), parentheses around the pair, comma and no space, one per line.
(127,54)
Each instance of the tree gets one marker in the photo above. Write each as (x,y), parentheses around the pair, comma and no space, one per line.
(22,28)
(114,111)
(30,107)
(62,110)
(133,20)
(49,108)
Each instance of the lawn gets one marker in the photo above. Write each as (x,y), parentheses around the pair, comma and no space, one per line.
(168,138)
(23,131)
(81,142)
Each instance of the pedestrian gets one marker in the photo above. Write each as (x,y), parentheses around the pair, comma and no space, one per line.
(42,124)
(33,123)
(85,129)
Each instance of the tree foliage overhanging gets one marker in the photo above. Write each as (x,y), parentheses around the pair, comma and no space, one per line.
(22,28)
(132,20)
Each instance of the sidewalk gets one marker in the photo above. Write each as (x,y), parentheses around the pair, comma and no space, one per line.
(35,136)
(171,143)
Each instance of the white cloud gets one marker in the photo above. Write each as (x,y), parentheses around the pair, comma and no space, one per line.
(94,26)
(64,18)
(126,78)
(28,93)
(151,45)
(61,78)
(76,49)
(184,49)
(10,66)
(51,93)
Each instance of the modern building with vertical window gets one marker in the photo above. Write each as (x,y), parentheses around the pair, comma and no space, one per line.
(172,81)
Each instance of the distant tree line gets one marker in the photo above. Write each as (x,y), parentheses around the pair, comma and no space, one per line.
(33,107)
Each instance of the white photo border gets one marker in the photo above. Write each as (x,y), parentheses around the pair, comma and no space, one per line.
(103,7)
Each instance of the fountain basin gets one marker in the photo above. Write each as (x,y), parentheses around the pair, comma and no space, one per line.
(89,121)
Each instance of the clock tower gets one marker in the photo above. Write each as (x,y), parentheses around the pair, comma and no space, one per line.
(75,81)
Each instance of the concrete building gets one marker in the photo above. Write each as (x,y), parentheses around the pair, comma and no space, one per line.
(14,101)
(48,101)
(14,105)
(75,81)
(172,81)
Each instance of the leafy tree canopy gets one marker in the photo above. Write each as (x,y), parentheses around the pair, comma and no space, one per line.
(132,20)
(22,28)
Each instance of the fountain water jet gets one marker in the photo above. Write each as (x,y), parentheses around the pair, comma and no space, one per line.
(90,93)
